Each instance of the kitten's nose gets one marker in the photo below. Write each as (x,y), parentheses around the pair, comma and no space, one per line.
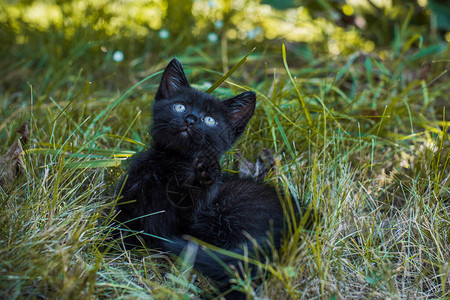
(190,120)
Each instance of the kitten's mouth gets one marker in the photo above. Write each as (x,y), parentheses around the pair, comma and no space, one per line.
(185,132)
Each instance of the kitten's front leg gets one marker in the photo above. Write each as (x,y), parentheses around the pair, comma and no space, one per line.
(207,170)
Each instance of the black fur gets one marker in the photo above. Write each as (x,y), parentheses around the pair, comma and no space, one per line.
(175,188)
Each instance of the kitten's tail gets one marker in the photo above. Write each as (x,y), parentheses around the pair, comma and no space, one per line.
(219,266)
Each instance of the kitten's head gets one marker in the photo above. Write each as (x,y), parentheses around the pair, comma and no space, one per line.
(188,120)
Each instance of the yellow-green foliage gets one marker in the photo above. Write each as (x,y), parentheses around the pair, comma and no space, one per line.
(362,138)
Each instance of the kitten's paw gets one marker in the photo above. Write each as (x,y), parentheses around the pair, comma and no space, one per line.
(207,170)
(258,170)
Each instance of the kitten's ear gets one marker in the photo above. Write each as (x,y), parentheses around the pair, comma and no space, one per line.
(240,110)
(172,80)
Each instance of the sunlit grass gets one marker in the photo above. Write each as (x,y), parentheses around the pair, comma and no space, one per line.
(372,157)
(246,21)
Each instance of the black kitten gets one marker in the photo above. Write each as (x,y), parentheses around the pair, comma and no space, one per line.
(176,188)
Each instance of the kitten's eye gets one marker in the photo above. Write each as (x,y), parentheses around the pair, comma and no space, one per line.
(179,108)
(209,121)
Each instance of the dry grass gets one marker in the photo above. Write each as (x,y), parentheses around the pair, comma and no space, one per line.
(373,159)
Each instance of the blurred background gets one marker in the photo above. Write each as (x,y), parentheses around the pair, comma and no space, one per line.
(354,112)
(142,32)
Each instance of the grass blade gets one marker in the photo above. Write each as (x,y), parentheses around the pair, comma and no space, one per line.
(231,71)
(302,102)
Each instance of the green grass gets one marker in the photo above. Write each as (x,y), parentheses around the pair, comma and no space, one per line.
(363,140)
